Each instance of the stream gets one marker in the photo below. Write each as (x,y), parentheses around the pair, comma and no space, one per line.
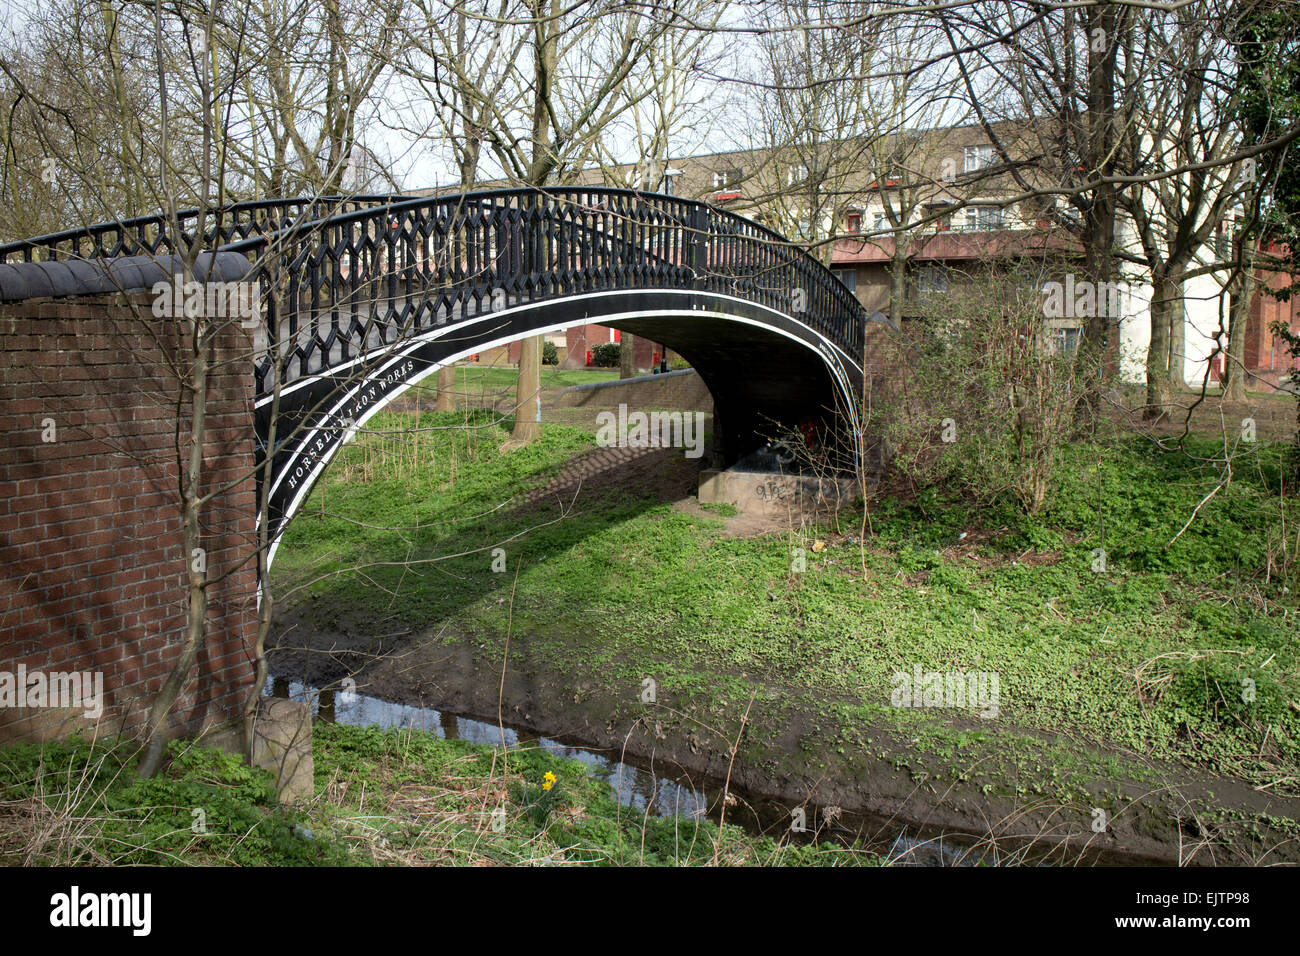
(634,786)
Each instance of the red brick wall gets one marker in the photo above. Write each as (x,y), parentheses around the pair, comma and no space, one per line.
(1266,359)
(583,338)
(92,570)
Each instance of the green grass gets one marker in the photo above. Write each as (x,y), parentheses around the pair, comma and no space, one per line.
(447,801)
(1150,657)
(456,494)
(78,803)
(382,798)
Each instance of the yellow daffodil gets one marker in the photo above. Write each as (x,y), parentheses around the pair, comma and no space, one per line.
(548,781)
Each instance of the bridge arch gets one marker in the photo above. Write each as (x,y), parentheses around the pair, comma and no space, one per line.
(343,406)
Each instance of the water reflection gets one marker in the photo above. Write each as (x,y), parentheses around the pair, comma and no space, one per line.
(633,787)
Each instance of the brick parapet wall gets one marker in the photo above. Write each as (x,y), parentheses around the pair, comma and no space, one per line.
(682,389)
(92,571)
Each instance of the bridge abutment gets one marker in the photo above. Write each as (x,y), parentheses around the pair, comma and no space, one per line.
(93,569)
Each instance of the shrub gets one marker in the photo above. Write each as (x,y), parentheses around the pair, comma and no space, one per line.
(989,404)
(550,354)
(605,355)
(79,801)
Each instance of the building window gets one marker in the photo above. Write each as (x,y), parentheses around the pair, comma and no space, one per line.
(944,223)
(879,221)
(796,174)
(975,158)
(932,279)
(849,277)
(724,178)
(983,217)
(853,222)
(1066,340)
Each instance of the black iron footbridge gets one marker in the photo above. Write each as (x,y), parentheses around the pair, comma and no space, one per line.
(360,298)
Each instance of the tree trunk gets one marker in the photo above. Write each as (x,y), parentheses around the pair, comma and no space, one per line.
(447,388)
(195,561)
(1165,296)
(898,283)
(1234,364)
(627,356)
(528,391)
(1099,223)
(1177,340)
(528,397)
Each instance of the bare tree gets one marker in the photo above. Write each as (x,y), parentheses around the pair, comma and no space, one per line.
(459,62)
(808,96)
(1060,68)
(559,95)
(1186,134)
(315,76)
(665,103)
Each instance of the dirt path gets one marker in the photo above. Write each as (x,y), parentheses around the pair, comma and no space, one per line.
(1272,413)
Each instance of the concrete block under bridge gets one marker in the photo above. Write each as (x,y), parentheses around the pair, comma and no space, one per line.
(765,492)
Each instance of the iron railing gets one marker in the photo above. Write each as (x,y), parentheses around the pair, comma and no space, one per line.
(354,282)
(150,235)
